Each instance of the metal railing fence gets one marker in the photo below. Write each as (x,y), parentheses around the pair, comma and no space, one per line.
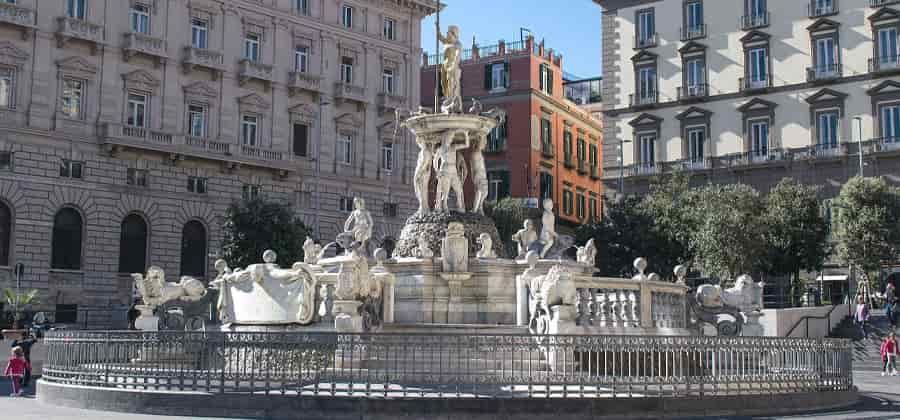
(446,366)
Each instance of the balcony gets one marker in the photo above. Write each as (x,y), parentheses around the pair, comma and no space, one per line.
(824,73)
(69,29)
(18,16)
(755,21)
(820,10)
(389,102)
(886,144)
(749,85)
(547,149)
(824,151)
(254,70)
(643,168)
(582,167)
(884,64)
(138,43)
(495,145)
(879,3)
(595,171)
(349,93)
(643,99)
(568,162)
(694,164)
(648,41)
(763,156)
(693,92)
(205,58)
(299,81)
(693,32)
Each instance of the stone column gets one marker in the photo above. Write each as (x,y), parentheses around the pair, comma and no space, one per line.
(521,301)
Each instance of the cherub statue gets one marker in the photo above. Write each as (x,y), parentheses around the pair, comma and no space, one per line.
(155,291)
(525,237)
(424,249)
(587,254)
(311,251)
(487,247)
(548,228)
(360,223)
(450,70)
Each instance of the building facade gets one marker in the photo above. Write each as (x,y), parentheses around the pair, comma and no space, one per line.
(750,91)
(128,127)
(548,147)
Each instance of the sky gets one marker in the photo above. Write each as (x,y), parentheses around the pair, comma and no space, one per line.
(572,30)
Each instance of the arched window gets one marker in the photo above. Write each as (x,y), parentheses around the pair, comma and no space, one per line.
(5,233)
(133,245)
(66,242)
(193,249)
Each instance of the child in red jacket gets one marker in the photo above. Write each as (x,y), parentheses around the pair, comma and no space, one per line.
(15,369)
(889,354)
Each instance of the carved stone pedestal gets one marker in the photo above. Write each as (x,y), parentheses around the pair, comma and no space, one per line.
(347,318)
(753,328)
(433,228)
(455,308)
(146,321)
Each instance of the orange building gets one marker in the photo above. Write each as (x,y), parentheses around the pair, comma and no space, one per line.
(549,147)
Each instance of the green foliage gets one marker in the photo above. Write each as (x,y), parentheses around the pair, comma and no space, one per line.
(669,205)
(796,233)
(866,218)
(19,300)
(254,226)
(508,215)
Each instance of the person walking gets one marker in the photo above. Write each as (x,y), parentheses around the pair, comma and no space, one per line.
(25,344)
(862,316)
(15,369)
(889,354)
(890,299)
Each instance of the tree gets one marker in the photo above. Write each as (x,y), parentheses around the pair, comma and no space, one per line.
(669,205)
(19,301)
(508,215)
(796,233)
(867,229)
(254,226)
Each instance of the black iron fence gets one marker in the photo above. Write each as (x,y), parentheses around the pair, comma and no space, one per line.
(446,366)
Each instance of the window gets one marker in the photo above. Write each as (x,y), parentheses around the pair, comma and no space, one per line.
(497,137)
(72,98)
(696,144)
(389,209)
(133,245)
(581,151)
(826,57)
(498,185)
(197,185)
(567,146)
(756,14)
(647,84)
(546,79)
(137,110)
(759,67)
(390,29)
(387,81)
(249,192)
(827,129)
(301,59)
(193,249)
(7,87)
(890,123)
(136,177)
(66,242)
(593,156)
(196,121)
(199,33)
(387,156)
(6,162)
(71,169)
(5,233)
(347,16)
(140,18)
(695,76)
(887,47)
(592,208)
(302,7)
(646,28)
(345,149)
(346,204)
(647,150)
(301,140)
(497,76)
(567,202)
(75,8)
(580,206)
(546,137)
(251,47)
(66,313)
(759,139)
(546,181)
(822,7)
(249,125)
(346,70)
(693,19)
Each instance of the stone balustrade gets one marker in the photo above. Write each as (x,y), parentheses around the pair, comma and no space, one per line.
(72,28)
(261,153)
(349,92)
(609,303)
(208,145)
(391,102)
(199,57)
(251,70)
(138,43)
(303,81)
(20,16)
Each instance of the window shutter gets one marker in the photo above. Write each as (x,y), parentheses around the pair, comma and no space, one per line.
(541,71)
(504,185)
(549,81)
(301,132)
(487,77)
(503,129)
(506,75)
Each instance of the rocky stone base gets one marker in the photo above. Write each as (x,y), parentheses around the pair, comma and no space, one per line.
(433,226)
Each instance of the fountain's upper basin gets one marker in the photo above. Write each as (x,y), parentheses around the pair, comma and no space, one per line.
(430,124)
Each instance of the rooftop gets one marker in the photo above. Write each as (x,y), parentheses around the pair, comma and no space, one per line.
(499,49)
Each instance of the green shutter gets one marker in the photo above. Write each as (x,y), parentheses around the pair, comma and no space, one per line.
(487,77)
(541,71)
(504,185)
(550,80)
(506,74)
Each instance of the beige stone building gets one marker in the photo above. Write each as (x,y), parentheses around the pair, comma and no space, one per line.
(128,126)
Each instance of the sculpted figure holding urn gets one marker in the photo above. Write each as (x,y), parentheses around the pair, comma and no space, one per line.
(360,223)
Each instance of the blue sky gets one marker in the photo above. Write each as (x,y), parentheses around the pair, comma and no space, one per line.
(573,29)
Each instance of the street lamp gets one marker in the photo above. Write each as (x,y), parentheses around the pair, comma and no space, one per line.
(622,143)
(858,121)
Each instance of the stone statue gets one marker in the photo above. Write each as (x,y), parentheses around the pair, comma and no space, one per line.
(311,251)
(640,264)
(707,305)
(455,249)
(359,223)
(479,173)
(422,175)
(487,247)
(448,175)
(587,254)
(155,291)
(424,248)
(548,228)
(525,237)
(450,71)
(745,295)
(552,289)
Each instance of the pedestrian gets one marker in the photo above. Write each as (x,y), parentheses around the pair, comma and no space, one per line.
(25,344)
(889,354)
(890,298)
(133,314)
(15,369)
(862,316)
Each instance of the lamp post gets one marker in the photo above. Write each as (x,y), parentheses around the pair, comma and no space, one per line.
(858,121)
(622,143)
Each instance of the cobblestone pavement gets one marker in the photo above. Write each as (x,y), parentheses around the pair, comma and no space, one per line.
(880,400)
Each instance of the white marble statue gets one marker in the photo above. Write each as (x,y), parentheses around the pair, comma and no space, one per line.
(422,175)
(360,223)
(311,251)
(479,173)
(487,247)
(552,289)
(455,249)
(745,294)
(587,254)
(449,178)
(548,228)
(424,248)
(450,70)
(155,291)
(525,237)
(640,264)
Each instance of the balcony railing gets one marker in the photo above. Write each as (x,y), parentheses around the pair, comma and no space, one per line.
(879,3)
(595,171)
(694,164)
(582,167)
(72,28)
(693,92)
(349,92)
(644,168)
(827,150)
(826,72)
(693,32)
(643,99)
(261,153)
(884,63)
(251,69)
(648,41)
(389,101)
(138,43)
(22,17)
(887,144)
(208,145)
(747,84)
(568,162)
(302,81)
(753,21)
(547,149)
(200,57)
(816,10)
(763,155)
